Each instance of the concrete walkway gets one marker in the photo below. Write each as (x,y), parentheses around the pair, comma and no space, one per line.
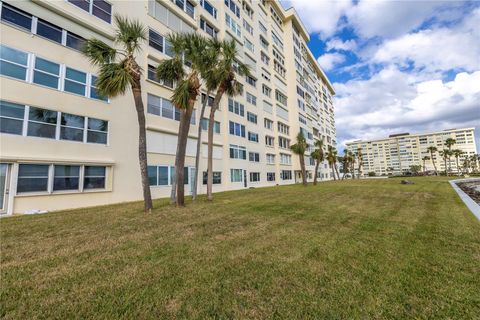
(472,205)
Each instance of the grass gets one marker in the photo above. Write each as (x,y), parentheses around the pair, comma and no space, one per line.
(371,249)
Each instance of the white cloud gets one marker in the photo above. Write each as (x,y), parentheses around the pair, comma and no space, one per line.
(338,44)
(329,60)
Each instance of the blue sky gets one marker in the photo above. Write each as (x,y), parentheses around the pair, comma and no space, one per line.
(397,66)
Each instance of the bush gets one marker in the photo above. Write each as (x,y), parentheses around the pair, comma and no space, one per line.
(372,174)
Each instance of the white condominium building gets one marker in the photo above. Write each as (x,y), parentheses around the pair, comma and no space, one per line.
(63,146)
(395,154)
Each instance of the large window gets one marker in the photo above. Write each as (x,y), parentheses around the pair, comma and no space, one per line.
(75,81)
(285,159)
(283,143)
(286,175)
(98,8)
(46,73)
(237,129)
(234,26)
(254,156)
(216,125)
(254,176)
(236,175)
(238,152)
(11,117)
(233,7)
(32,178)
(164,175)
(236,107)
(51,124)
(270,158)
(217,177)
(13,63)
(94,177)
(66,178)
(16,16)
(49,31)
(155,40)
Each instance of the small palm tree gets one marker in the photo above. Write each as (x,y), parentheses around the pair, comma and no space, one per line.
(424,159)
(345,161)
(457,153)
(319,156)
(449,143)
(352,157)
(299,149)
(360,162)
(119,71)
(189,47)
(432,150)
(332,159)
(222,78)
(445,154)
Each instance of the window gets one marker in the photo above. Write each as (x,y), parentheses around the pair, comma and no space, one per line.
(233,25)
(249,45)
(158,175)
(66,178)
(251,99)
(71,127)
(46,73)
(94,177)
(253,136)
(266,90)
(236,175)
(252,117)
(216,125)
(283,128)
(11,117)
(254,176)
(280,97)
(42,123)
(209,8)
(74,41)
(217,177)
(236,107)
(98,8)
(277,41)
(16,16)
(237,129)
(164,108)
(285,158)
(186,6)
(238,152)
(32,178)
(268,123)
(75,81)
(233,7)
(152,75)
(263,29)
(155,40)
(286,175)
(254,156)
(13,63)
(210,99)
(97,131)
(283,143)
(269,141)
(270,176)
(251,81)
(94,91)
(265,59)
(208,28)
(49,31)
(279,68)
(248,27)
(270,158)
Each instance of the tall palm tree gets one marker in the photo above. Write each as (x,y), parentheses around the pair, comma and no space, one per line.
(189,47)
(445,154)
(332,159)
(222,78)
(299,149)
(119,71)
(449,143)
(424,159)
(457,153)
(319,156)
(352,156)
(360,162)
(432,150)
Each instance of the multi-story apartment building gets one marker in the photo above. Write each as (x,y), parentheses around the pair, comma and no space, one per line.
(397,153)
(64,146)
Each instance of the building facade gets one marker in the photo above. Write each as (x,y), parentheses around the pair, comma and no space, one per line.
(63,146)
(397,153)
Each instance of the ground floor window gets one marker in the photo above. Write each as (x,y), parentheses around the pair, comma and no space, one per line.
(236,175)
(32,178)
(217,177)
(164,175)
(270,176)
(286,175)
(254,176)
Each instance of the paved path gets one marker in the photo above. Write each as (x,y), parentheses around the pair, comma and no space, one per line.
(472,205)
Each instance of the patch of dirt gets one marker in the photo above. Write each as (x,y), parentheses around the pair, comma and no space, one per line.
(472,189)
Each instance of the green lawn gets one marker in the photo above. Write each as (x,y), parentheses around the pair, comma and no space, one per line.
(353,249)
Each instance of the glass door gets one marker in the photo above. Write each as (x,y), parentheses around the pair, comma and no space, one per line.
(3,187)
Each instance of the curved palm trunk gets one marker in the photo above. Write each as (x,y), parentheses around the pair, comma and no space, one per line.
(302,167)
(333,171)
(184,127)
(336,170)
(199,148)
(424,168)
(433,162)
(359,170)
(316,173)
(142,146)
(353,170)
(211,123)
(445,161)
(458,168)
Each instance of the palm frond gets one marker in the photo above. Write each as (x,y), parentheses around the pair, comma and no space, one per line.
(170,70)
(181,94)
(98,52)
(113,79)
(130,33)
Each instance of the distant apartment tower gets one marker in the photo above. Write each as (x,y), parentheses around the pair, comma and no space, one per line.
(397,153)
(63,146)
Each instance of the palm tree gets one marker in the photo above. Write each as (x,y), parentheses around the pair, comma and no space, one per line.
(360,162)
(424,159)
(345,161)
(222,78)
(119,71)
(319,157)
(299,149)
(445,154)
(189,47)
(457,153)
(352,156)
(332,159)
(449,143)
(432,150)
(473,162)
